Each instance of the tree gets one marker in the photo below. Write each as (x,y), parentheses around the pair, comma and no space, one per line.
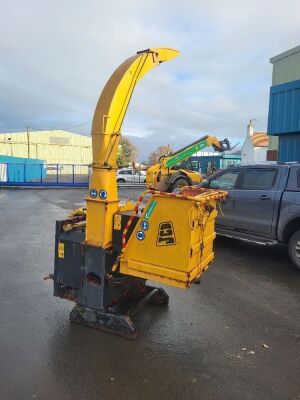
(156,154)
(127,152)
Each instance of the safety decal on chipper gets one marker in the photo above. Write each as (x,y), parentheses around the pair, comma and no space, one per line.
(140,235)
(93,193)
(103,194)
(150,209)
(166,234)
(61,250)
(117,222)
(144,225)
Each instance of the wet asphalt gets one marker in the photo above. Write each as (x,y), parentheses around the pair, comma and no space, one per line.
(234,336)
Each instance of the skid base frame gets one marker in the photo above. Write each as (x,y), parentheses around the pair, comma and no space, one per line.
(114,321)
(105,299)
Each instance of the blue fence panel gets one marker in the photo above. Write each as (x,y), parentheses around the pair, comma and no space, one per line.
(25,172)
(20,169)
(41,174)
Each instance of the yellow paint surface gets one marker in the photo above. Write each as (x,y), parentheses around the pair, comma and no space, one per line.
(61,250)
(178,245)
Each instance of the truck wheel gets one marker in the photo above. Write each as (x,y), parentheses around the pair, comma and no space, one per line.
(294,249)
(179,183)
(121,180)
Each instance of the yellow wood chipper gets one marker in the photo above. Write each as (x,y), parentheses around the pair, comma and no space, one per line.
(105,255)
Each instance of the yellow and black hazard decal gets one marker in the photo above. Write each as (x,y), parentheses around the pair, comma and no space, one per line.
(61,250)
(166,234)
(117,222)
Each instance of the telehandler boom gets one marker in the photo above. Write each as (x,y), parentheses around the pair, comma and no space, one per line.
(104,255)
(168,174)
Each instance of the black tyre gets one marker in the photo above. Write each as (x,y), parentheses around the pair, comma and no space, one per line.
(179,183)
(120,180)
(294,249)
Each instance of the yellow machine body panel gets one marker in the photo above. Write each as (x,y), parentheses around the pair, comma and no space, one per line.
(158,177)
(194,176)
(173,241)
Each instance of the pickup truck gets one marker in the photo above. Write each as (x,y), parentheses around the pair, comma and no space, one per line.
(263,204)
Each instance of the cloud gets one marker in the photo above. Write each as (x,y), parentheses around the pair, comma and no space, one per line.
(57,55)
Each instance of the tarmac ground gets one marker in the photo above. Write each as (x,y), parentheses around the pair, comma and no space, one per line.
(235,336)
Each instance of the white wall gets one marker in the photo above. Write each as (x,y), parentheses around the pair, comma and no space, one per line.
(247,151)
(3,172)
(260,154)
(251,154)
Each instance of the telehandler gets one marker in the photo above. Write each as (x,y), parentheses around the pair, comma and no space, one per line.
(170,174)
(105,254)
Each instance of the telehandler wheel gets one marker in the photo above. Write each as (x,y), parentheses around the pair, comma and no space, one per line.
(179,183)
(294,249)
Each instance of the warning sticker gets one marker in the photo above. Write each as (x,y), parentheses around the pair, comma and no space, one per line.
(103,194)
(140,235)
(93,193)
(144,225)
(150,209)
(61,250)
(117,222)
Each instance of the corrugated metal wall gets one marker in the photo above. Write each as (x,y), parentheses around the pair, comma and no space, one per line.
(284,108)
(286,66)
(289,147)
(57,147)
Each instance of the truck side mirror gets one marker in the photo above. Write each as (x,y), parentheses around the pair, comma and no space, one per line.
(205,184)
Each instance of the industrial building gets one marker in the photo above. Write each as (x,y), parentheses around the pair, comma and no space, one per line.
(284,107)
(54,147)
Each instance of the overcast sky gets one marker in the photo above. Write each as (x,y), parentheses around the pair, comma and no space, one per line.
(55,57)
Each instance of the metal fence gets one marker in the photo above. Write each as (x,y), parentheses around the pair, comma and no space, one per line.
(43,175)
(23,174)
(60,175)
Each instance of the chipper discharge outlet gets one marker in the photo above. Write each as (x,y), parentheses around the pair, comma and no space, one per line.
(105,253)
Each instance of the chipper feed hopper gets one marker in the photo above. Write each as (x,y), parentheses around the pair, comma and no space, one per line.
(105,253)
